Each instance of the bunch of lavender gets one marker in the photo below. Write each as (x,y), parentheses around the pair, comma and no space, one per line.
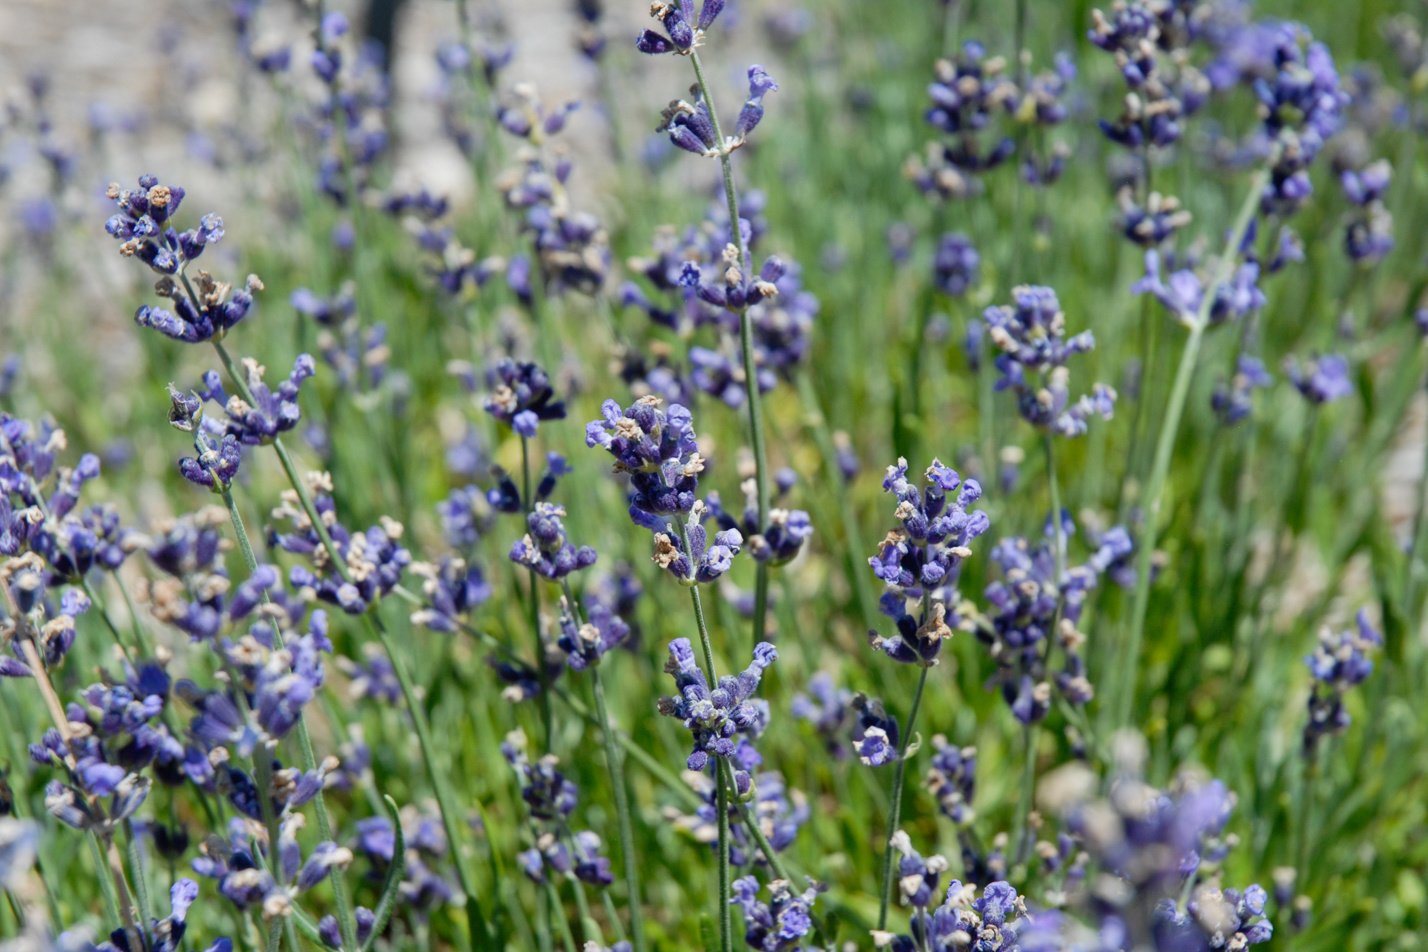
(968,94)
(1162,85)
(1032,337)
(551,798)
(1368,237)
(920,562)
(995,921)
(1154,857)
(348,123)
(273,888)
(724,720)
(695,281)
(1232,399)
(1339,662)
(144,227)
(1301,107)
(1321,379)
(571,249)
(788,529)
(374,559)
(40,510)
(783,922)
(1034,608)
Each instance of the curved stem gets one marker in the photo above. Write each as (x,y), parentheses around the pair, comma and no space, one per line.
(1164,449)
(746,344)
(895,807)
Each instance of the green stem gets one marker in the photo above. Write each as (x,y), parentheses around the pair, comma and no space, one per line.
(895,807)
(136,871)
(537,642)
(721,794)
(557,912)
(746,343)
(622,811)
(1415,545)
(1165,445)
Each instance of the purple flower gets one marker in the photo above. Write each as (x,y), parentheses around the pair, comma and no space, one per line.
(717,717)
(781,923)
(545,549)
(1322,379)
(1339,662)
(1032,337)
(683,31)
(521,396)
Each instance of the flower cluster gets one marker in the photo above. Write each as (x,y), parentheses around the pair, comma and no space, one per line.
(1163,87)
(374,559)
(722,720)
(586,642)
(522,396)
(1030,610)
(270,889)
(1339,662)
(1032,337)
(452,590)
(1155,856)
(1182,294)
(952,780)
(697,281)
(920,561)
(784,536)
(551,798)
(1301,107)
(992,922)
(956,265)
(1231,399)
(1369,235)
(683,31)
(571,248)
(271,412)
(545,549)
(39,506)
(967,94)
(1322,379)
(781,923)
(657,450)
(691,126)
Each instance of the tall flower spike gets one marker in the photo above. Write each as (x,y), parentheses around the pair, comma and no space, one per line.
(1339,662)
(657,450)
(717,717)
(920,561)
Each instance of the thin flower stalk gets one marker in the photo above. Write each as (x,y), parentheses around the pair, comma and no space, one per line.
(615,765)
(1164,449)
(746,343)
(895,805)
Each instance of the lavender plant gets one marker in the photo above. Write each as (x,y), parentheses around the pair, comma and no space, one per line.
(404,689)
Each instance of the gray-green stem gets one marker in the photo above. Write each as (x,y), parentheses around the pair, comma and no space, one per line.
(1164,449)
(895,807)
(537,642)
(615,764)
(721,795)
(746,345)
